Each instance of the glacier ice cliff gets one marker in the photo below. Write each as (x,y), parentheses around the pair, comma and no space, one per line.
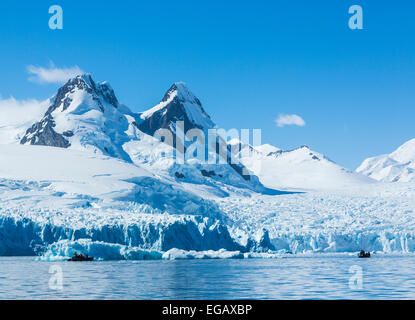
(183,238)
(26,237)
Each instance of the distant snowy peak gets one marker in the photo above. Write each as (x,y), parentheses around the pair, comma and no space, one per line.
(405,153)
(399,166)
(84,115)
(178,104)
(263,150)
(300,154)
(267,149)
(300,169)
(303,153)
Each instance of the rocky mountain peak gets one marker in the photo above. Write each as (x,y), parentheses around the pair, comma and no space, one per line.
(181,92)
(84,113)
(178,104)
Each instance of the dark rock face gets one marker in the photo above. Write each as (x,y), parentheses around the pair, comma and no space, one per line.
(179,175)
(230,154)
(174,111)
(209,173)
(68,133)
(165,118)
(42,133)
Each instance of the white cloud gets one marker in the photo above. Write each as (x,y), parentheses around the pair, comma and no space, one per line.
(16,112)
(16,116)
(289,119)
(52,74)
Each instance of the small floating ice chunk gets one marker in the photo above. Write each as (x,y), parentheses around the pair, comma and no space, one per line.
(178,254)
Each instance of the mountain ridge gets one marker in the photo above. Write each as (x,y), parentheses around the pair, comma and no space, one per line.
(298,169)
(398,166)
(86,115)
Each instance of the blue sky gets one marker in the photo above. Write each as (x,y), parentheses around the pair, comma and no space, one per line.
(247,61)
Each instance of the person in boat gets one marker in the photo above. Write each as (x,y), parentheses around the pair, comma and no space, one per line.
(364,254)
(75,255)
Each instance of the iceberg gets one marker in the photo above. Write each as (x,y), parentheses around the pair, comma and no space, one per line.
(64,249)
(177,254)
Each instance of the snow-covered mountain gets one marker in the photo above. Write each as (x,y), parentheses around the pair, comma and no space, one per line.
(399,166)
(301,168)
(85,115)
(180,105)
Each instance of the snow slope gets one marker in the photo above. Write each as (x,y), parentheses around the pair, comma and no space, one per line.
(71,175)
(299,169)
(399,166)
(50,194)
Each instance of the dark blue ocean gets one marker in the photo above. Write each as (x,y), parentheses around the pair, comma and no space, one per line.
(316,277)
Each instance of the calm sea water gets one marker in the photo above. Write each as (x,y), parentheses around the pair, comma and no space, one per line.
(319,277)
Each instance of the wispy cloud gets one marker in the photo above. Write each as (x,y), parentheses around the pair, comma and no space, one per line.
(289,120)
(52,74)
(17,112)
(18,115)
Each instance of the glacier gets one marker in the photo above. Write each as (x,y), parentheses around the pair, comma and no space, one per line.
(379,219)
